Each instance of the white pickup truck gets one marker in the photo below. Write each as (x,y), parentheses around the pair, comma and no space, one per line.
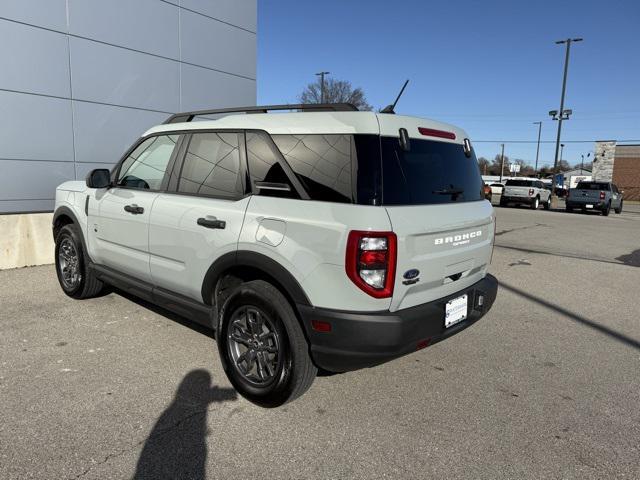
(527,191)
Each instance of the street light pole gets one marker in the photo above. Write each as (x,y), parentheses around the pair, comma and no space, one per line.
(321,75)
(538,147)
(561,116)
(501,163)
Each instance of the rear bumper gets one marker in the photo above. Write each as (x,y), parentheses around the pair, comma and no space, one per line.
(365,339)
(597,205)
(527,200)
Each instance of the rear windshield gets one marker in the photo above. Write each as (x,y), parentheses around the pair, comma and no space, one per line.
(431,172)
(592,186)
(519,183)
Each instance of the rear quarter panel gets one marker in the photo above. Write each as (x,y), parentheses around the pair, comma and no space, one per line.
(309,239)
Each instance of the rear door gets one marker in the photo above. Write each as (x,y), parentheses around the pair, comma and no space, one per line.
(433,196)
(199,219)
(118,220)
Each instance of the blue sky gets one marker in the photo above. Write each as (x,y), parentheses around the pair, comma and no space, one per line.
(490,67)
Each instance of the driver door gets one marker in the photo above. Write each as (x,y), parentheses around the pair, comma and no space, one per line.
(118,224)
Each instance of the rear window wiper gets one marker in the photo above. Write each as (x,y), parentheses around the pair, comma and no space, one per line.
(449,191)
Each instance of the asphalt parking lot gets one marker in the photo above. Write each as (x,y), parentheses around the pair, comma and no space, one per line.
(547,385)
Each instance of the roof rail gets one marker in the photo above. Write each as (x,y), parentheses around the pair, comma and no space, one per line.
(307,107)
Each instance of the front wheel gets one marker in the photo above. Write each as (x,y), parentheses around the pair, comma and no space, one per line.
(547,204)
(262,346)
(619,209)
(72,265)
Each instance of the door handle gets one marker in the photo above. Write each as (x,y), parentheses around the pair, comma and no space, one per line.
(212,223)
(134,209)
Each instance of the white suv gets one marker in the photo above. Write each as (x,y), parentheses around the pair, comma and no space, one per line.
(326,238)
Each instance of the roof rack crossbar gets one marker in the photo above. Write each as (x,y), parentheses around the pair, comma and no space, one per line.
(308,107)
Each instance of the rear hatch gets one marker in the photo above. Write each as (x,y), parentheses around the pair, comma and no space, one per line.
(518,188)
(434,198)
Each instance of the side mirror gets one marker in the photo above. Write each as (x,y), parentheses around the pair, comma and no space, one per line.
(99,178)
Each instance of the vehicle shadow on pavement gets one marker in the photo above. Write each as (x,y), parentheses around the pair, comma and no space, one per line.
(621,337)
(176,448)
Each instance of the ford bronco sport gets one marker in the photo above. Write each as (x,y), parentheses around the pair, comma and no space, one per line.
(325,238)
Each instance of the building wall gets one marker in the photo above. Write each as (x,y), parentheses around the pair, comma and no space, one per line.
(626,170)
(81,79)
(603,161)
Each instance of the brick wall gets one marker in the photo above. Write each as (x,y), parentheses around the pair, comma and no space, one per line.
(626,170)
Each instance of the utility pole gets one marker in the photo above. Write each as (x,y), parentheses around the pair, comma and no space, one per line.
(563,115)
(501,163)
(321,75)
(538,147)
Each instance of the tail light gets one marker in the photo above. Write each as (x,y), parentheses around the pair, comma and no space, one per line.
(531,191)
(371,261)
(601,195)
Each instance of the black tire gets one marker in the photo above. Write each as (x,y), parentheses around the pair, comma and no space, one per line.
(535,204)
(607,209)
(82,283)
(503,203)
(568,209)
(292,369)
(547,204)
(619,209)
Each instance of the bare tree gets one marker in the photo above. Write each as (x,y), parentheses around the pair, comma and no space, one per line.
(335,91)
(484,165)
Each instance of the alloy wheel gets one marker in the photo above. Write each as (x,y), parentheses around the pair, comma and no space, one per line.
(69,264)
(254,345)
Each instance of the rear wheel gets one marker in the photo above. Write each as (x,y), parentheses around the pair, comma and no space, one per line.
(72,265)
(262,346)
(568,209)
(607,209)
(619,209)
(535,204)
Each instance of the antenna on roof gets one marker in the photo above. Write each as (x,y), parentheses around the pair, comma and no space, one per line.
(390,108)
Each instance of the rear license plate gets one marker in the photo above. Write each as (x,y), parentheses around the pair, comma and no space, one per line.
(455,311)
(589,205)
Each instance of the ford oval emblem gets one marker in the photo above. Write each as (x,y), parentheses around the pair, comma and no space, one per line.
(411,274)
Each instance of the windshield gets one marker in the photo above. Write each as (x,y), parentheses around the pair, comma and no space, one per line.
(431,172)
(592,186)
(519,183)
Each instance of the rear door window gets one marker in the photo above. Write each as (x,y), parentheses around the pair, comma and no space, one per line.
(212,166)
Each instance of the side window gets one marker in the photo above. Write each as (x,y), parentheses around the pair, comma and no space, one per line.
(146,166)
(212,166)
(322,163)
(264,166)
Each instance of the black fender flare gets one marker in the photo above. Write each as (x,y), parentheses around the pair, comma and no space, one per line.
(64,210)
(258,261)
